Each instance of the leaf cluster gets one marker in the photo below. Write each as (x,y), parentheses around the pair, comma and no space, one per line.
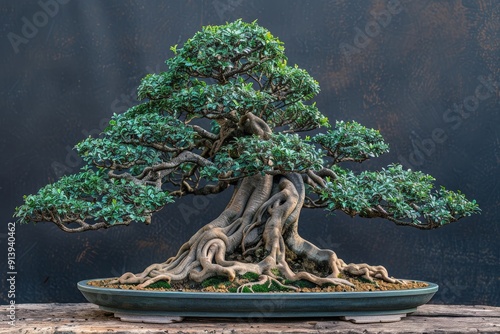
(400,195)
(350,141)
(238,67)
(137,139)
(281,153)
(224,51)
(90,194)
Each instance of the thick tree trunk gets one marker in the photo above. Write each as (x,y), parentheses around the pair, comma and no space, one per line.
(257,232)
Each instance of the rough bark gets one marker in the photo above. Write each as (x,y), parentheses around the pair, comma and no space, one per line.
(259,223)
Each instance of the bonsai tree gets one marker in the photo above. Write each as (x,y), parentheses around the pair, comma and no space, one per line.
(226,115)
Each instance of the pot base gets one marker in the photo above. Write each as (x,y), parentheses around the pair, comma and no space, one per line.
(166,306)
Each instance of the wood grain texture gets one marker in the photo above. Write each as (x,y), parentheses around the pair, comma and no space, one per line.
(87,61)
(87,318)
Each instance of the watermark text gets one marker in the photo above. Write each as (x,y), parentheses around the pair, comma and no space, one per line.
(31,26)
(11,273)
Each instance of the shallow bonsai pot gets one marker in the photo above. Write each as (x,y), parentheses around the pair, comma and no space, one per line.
(256,305)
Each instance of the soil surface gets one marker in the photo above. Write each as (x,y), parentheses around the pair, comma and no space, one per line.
(220,284)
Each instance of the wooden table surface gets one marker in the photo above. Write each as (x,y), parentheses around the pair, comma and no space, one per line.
(88,318)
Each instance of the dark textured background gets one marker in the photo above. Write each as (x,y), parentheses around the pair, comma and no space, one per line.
(84,62)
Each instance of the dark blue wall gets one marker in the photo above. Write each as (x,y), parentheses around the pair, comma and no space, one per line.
(423,72)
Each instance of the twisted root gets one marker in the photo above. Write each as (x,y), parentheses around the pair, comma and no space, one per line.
(262,215)
(265,279)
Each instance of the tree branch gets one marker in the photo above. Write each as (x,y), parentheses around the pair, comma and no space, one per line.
(326,172)
(318,181)
(184,157)
(126,176)
(84,226)
(204,133)
(255,125)
(313,204)
(212,189)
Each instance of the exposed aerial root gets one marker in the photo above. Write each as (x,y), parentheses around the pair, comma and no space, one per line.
(368,272)
(261,224)
(265,279)
(303,275)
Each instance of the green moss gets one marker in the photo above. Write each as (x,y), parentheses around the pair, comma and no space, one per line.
(247,290)
(364,280)
(252,277)
(276,272)
(274,287)
(215,281)
(301,284)
(159,285)
(258,288)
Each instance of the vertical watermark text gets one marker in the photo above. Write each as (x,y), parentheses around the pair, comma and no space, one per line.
(11,273)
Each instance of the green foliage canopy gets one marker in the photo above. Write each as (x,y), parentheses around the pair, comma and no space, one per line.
(229,106)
